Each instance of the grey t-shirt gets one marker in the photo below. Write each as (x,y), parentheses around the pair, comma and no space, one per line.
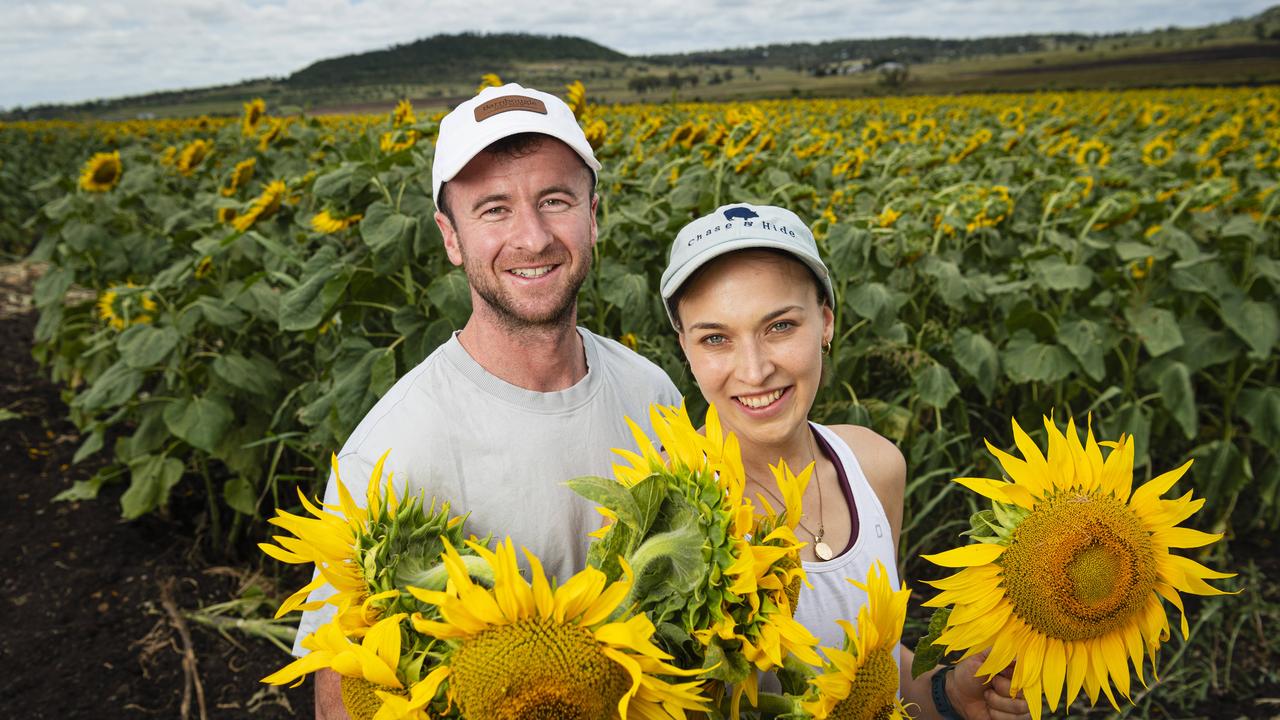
(501,452)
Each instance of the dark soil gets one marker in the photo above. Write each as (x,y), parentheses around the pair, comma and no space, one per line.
(86,632)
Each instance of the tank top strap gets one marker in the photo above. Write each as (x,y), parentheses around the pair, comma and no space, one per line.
(873,523)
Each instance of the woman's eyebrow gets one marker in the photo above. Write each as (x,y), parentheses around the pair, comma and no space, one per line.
(707,325)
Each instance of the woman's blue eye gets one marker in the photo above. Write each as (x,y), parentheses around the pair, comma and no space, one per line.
(783,325)
(713,339)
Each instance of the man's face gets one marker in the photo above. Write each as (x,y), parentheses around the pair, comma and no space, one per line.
(523,230)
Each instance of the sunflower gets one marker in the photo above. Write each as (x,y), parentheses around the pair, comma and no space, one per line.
(192,155)
(1157,152)
(326,223)
(204,267)
(1094,153)
(596,131)
(523,650)
(240,176)
(861,680)
(575,97)
(403,114)
(263,206)
(254,110)
(226,215)
(488,80)
(397,140)
(369,554)
(102,172)
(888,217)
(735,594)
(124,305)
(1070,583)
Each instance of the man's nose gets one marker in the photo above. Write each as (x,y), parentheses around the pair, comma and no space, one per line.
(531,232)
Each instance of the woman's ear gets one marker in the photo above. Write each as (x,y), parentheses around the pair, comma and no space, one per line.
(828,324)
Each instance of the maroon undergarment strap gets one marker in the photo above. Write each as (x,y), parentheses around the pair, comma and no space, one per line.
(845,490)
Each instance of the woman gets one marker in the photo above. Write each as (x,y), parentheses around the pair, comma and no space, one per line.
(751,301)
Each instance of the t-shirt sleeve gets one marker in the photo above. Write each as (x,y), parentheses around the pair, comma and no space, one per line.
(355,471)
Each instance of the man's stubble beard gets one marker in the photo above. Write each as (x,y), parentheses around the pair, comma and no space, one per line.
(563,312)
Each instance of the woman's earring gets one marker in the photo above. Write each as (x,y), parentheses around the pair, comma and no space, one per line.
(826,348)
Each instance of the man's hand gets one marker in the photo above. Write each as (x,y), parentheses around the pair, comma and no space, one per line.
(329,696)
(975,699)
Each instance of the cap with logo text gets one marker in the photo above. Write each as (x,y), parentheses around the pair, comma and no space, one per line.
(500,112)
(739,227)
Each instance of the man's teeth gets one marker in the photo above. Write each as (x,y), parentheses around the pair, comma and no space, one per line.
(532,272)
(759,401)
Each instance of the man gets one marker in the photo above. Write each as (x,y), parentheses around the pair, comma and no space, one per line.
(519,400)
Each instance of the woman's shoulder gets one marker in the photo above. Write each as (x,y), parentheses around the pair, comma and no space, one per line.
(881,461)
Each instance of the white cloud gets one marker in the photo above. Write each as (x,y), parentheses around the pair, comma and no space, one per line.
(68,51)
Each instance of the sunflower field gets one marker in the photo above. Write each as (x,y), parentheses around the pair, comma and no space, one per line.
(226,297)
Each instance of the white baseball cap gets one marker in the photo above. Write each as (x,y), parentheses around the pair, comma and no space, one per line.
(740,227)
(496,113)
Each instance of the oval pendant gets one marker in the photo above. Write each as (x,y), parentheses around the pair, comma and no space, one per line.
(823,551)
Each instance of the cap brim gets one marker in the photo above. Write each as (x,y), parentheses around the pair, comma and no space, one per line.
(672,284)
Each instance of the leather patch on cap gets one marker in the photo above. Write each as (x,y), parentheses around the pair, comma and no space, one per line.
(507,103)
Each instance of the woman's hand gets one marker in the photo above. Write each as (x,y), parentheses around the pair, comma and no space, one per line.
(976,699)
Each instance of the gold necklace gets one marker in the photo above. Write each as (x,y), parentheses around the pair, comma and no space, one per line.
(820,549)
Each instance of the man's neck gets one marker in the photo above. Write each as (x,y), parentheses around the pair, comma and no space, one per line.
(542,359)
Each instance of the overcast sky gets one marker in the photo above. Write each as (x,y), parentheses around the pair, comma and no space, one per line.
(72,50)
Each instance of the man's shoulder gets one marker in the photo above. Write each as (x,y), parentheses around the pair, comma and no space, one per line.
(408,406)
(618,359)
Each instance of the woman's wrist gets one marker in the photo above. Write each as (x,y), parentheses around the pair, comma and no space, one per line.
(941,700)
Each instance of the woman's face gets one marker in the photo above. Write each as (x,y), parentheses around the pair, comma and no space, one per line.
(753,330)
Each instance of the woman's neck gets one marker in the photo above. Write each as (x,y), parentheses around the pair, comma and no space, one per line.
(798,450)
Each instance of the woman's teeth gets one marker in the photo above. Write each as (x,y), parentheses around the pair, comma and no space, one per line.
(759,401)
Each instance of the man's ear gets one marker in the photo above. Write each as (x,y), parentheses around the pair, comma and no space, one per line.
(595,206)
(450,235)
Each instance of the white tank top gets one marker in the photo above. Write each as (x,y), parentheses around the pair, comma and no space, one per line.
(832,597)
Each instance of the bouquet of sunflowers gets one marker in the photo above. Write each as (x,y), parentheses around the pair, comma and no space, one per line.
(691,590)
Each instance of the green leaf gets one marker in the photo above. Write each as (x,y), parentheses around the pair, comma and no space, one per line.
(7,414)
(142,346)
(1156,328)
(52,287)
(343,183)
(1261,409)
(928,655)
(1246,227)
(219,312)
(873,301)
(201,421)
(1255,323)
(935,386)
(1026,361)
(1087,343)
(257,376)
(383,373)
(451,295)
(239,496)
(117,385)
(91,445)
(978,358)
(611,494)
(1178,397)
(305,306)
(383,227)
(1056,274)
(151,477)
(85,489)
(627,291)
(668,563)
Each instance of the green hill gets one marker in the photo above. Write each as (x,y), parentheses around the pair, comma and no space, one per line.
(449,58)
